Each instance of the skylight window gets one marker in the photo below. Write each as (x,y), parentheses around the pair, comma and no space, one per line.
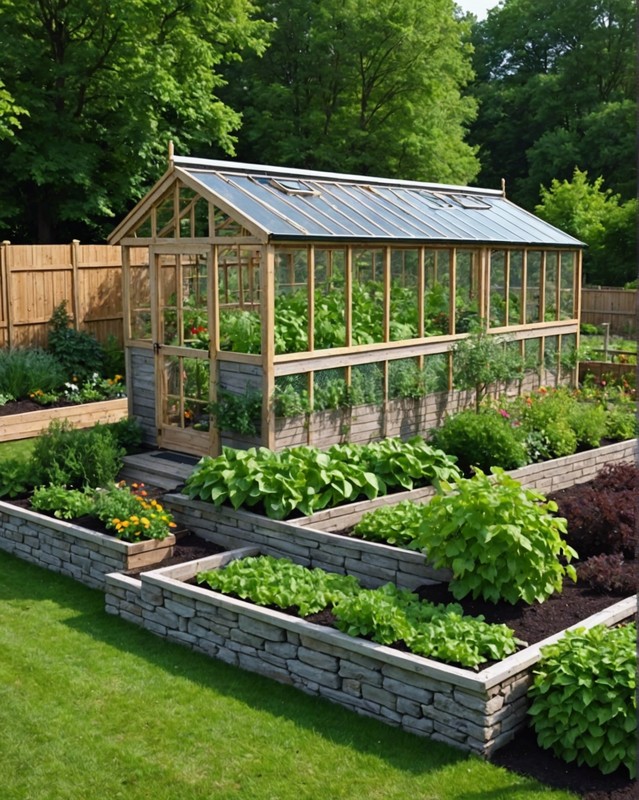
(292,186)
(434,200)
(469,201)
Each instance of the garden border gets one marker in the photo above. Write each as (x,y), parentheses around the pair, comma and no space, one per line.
(82,415)
(61,546)
(475,711)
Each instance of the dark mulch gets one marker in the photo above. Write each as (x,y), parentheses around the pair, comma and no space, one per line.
(22,406)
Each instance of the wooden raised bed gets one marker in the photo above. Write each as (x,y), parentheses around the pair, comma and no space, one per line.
(475,711)
(84,415)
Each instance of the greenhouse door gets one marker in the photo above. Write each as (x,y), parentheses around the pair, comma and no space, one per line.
(182,361)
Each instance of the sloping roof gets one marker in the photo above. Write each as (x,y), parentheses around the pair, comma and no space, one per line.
(289,204)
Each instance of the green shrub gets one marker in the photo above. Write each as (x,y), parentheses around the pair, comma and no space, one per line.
(76,458)
(621,423)
(16,477)
(583,698)
(80,354)
(23,372)
(128,433)
(64,503)
(481,440)
(500,540)
(588,421)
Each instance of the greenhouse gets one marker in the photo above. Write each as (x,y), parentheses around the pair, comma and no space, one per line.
(274,306)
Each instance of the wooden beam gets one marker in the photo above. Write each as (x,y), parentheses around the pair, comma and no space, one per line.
(267,307)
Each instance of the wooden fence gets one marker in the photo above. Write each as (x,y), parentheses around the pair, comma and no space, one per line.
(613,305)
(35,279)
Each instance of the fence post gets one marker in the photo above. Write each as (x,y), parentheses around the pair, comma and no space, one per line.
(6,294)
(606,342)
(75,288)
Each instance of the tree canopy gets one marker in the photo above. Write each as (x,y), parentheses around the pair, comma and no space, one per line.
(106,84)
(555,80)
(372,88)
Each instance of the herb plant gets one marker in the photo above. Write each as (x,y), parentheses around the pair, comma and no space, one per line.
(583,698)
(501,541)
(64,503)
(26,371)
(397,524)
(16,477)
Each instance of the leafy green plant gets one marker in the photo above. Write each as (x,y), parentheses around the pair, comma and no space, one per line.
(482,360)
(501,541)
(289,402)
(64,503)
(486,439)
(397,524)
(76,458)
(402,463)
(23,372)
(387,614)
(588,422)
(238,413)
(621,424)
(583,698)
(16,476)
(79,353)
(266,581)
(128,433)
(5,398)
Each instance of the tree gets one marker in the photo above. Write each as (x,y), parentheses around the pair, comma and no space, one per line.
(599,218)
(556,87)
(9,114)
(355,86)
(106,84)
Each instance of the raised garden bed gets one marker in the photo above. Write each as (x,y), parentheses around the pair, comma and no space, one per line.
(314,540)
(70,549)
(27,424)
(476,711)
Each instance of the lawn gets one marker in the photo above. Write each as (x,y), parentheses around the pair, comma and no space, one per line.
(92,707)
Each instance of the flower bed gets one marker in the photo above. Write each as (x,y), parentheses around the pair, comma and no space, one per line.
(84,415)
(475,711)
(65,547)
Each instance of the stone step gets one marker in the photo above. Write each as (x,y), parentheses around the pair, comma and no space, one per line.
(160,468)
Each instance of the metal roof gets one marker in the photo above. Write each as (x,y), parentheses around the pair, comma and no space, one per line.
(289,204)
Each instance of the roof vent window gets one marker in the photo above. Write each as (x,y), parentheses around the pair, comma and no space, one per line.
(433,200)
(469,201)
(290,186)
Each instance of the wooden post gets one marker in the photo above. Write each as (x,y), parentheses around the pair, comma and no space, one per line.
(75,288)
(213,301)
(6,293)
(267,309)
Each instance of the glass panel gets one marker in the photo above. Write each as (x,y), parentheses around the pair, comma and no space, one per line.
(498,289)
(140,293)
(330,298)
(170,316)
(187,392)
(238,288)
(195,318)
(466,290)
(329,390)
(568,272)
(515,273)
(291,301)
(551,293)
(533,282)
(551,353)
(201,218)
(144,230)
(368,297)
(226,225)
(568,358)
(165,217)
(367,385)
(532,354)
(404,310)
(437,292)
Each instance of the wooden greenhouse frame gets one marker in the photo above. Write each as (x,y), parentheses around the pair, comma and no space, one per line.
(242,279)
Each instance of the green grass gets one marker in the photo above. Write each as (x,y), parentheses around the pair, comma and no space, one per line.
(21,448)
(92,707)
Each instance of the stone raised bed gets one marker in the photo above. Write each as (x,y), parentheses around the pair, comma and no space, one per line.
(475,711)
(84,415)
(64,547)
(312,540)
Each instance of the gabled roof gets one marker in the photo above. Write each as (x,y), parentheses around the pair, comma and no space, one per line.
(279,203)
